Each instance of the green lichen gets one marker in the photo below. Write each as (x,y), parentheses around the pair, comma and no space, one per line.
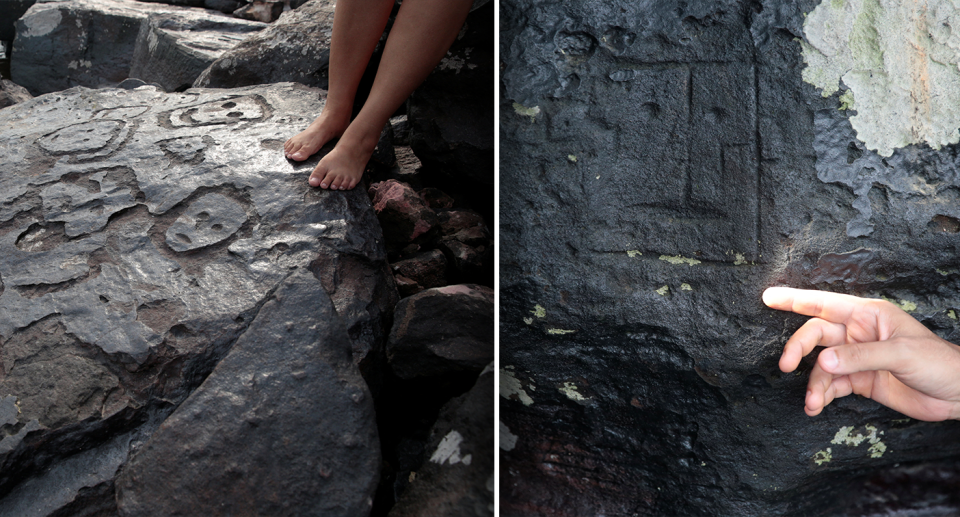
(898,59)
(560,332)
(572,158)
(528,321)
(663,291)
(539,311)
(524,111)
(511,388)
(876,450)
(685,287)
(634,253)
(570,390)
(822,457)
(677,260)
(951,314)
(739,259)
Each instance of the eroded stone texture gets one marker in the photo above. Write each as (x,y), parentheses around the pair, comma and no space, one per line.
(294,48)
(140,234)
(661,166)
(172,49)
(283,426)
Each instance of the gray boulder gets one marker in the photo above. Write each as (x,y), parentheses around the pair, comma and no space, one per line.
(283,426)
(141,235)
(12,93)
(294,48)
(172,49)
(457,478)
(442,330)
(61,44)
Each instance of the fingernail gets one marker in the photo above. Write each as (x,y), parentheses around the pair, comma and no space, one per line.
(829,360)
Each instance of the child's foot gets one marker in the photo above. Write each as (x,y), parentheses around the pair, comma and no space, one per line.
(306,143)
(342,168)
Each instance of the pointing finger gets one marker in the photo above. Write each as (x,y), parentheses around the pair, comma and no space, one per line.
(821,304)
(813,333)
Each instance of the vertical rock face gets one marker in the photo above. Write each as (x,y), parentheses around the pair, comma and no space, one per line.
(141,236)
(660,167)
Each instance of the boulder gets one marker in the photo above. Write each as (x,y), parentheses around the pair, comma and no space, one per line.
(172,49)
(294,48)
(661,166)
(10,12)
(290,398)
(451,122)
(403,215)
(427,269)
(61,44)
(141,235)
(457,478)
(437,200)
(12,93)
(441,331)
(260,10)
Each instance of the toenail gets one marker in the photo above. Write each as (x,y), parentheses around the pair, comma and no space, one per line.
(324,185)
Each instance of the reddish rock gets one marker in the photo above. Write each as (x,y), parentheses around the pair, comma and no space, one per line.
(427,269)
(407,287)
(402,214)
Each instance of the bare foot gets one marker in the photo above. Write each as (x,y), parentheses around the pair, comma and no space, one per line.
(342,168)
(306,143)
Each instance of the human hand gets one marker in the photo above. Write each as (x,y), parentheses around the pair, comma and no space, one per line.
(874,349)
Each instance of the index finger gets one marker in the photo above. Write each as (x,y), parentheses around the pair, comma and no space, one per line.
(820,304)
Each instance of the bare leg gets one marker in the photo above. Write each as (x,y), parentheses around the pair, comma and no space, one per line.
(421,35)
(357,26)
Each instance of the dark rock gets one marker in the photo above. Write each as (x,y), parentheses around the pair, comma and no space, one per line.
(442,330)
(473,263)
(401,130)
(140,235)
(384,154)
(61,44)
(12,93)
(427,269)
(172,49)
(436,199)
(260,10)
(290,398)
(407,287)
(10,12)
(454,221)
(402,214)
(451,120)
(294,48)
(224,6)
(661,166)
(458,477)
(181,3)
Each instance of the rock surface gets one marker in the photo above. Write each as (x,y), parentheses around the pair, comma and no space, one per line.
(441,331)
(457,479)
(12,93)
(661,166)
(290,401)
(172,49)
(403,215)
(294,48)
(141,235)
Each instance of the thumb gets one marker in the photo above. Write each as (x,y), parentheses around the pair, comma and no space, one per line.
(863,357)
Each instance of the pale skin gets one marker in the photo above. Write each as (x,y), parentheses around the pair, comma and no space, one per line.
(873,349)
(422,32)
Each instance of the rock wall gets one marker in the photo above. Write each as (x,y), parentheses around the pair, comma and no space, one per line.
(662,164)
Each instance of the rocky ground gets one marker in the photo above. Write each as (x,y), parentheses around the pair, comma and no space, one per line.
(186,327)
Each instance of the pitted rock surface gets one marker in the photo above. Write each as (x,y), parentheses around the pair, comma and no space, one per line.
(661,165)
(140,234)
